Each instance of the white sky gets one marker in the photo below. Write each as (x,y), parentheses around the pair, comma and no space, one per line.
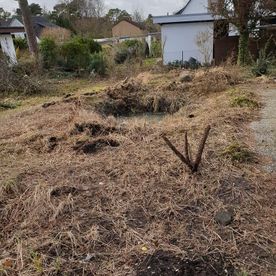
(155,7)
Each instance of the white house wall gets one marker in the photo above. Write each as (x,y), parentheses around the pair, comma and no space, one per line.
(180,39)
(8,47)
(197,6)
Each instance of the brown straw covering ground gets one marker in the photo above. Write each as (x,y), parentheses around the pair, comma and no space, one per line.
(81,194)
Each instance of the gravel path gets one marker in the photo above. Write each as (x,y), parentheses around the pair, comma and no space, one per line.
(265,128)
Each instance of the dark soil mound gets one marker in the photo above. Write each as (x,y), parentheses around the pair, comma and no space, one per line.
(166,264)
(123,98)
(93,129)
(132,97)
(94,146)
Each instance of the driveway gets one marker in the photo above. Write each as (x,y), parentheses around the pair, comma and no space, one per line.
(265,128)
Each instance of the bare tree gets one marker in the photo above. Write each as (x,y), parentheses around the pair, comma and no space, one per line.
(27,20)
(137,16)
(203,40)
(245,15)
(99,8)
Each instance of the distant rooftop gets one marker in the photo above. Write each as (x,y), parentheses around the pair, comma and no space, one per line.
(5,23)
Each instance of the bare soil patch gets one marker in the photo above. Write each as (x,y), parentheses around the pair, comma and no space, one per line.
(164,263)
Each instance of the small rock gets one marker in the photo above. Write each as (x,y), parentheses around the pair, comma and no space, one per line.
(223,217)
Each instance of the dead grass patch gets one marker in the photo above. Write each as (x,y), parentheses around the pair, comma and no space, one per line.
(123,209)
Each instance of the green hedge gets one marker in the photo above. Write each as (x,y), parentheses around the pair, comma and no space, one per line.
(74,55)
(49,52)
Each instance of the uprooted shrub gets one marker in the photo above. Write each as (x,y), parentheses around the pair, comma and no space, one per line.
(132,97)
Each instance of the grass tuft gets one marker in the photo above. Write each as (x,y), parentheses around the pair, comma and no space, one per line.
(238,153)
(243,101)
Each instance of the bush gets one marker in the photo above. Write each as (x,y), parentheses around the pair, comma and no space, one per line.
(266,58)
(14,80)
(49,52)
(121,56)
(94,47)
(192,63)
(175,64)
(262,64)
(98,64)
(133,43)
(76,55)
(77,52)
(20,43)
(131,49)
(156,49)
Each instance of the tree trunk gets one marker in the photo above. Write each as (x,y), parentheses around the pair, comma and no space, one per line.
(29,28)
(243,57)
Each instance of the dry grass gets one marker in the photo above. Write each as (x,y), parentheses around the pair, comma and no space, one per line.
(59,35)
(63,212)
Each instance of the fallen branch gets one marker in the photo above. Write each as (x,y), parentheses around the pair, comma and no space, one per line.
(186,157)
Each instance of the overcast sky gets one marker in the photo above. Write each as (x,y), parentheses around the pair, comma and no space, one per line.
(155,7)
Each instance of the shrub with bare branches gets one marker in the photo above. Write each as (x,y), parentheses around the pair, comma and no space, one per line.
(59,35)
(13,79)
